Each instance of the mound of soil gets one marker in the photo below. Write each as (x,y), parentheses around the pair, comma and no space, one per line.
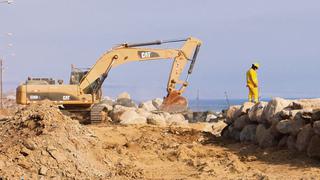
(40,141)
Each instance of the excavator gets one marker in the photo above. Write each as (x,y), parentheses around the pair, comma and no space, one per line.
(84,95)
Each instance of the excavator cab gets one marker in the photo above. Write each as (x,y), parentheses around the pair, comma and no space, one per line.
(76,75)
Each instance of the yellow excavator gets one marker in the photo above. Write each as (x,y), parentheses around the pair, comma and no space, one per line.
(83,93)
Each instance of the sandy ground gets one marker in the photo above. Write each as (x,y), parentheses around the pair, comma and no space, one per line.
(184,153)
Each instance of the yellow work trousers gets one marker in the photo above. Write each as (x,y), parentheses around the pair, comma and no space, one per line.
(253,94)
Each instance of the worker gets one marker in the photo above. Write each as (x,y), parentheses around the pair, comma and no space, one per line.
(252,83)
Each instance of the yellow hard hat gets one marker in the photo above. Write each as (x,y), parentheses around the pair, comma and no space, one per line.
(256,65)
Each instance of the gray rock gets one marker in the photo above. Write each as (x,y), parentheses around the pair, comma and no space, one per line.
(291,143)
(256,111)
(316,127)
(217,127)
(117,111)
(225,133)
(248,133)
(314,147)
(298,123)
(284,126)
(156,119)
(148,106)
(264,137)
(232,113)
(316,115)
(246,107)
(231,133)
(304,137)
(241,122)
(285,114)
(283,141)
(43,170)
(200,116)
(132,117)
(306,104)
(124,95)
(176,119)
(157,102)
(188,115)
(126,102)
(108,102)
(272,110)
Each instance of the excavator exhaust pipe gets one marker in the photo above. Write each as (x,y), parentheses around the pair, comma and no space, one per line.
(174,103)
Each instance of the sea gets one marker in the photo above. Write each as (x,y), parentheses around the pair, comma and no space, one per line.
(215,105)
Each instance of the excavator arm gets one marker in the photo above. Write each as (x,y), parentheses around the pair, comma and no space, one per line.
(93,80)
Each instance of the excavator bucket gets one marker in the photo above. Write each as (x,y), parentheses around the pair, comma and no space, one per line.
(174,103)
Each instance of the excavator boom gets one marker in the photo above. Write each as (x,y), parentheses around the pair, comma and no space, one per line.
(125,53)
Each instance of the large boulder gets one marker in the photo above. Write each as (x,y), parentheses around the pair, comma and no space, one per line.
(246,107)
(157,103)
(188,115)
(274,107)
(148,106)
(314,147)
(126,102)
(176,119)
(241,122)
(124,99)
(232,113)
(284,126)
(316,115)
(298,123)
(306,104)
(248,133)
(156,119)
(132,117)
(233,133)
(143,112)
(264,137)
(200,116)
(124,95)
(109,102)
(304,137)
(256,111)
(283,141)
(291,143)
(117,111)
(316,127)
(217,127)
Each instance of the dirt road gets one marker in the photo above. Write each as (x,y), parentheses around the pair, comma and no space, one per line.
(178,153)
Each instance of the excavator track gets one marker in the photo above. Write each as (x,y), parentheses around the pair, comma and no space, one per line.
(97,113)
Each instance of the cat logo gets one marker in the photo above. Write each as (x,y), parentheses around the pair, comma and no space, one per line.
(147,54)
(66,98)
(34,97)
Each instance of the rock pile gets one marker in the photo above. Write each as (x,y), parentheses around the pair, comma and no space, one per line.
(39,142)
(294,124)
(123,110)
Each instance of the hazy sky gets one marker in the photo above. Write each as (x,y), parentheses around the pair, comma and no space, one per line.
(49,36)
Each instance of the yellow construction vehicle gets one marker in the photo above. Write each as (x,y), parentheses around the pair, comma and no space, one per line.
(83,93)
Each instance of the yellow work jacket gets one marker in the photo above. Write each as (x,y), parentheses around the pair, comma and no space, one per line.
(252,78)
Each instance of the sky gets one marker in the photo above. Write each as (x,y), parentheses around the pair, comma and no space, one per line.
(283,36)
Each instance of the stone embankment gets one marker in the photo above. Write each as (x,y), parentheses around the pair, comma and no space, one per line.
(294,124)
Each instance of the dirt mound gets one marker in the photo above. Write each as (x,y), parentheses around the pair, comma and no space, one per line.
(40,141)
